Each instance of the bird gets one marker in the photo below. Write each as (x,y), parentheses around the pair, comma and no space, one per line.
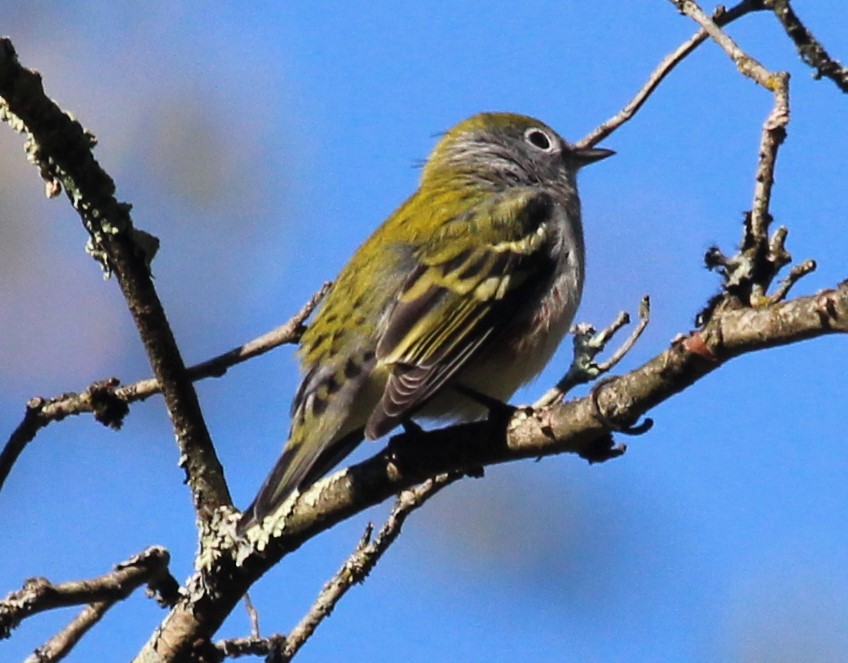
(458,298)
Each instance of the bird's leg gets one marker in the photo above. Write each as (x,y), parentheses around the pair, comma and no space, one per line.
(411,428)
(497,408)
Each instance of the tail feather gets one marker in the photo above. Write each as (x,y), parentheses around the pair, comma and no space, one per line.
(296,469)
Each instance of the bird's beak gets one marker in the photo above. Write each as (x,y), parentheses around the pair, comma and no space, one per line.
(586,155)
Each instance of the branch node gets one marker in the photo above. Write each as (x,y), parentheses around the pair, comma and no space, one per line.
(602,449)
(795,274)
(38,595)
(695,344)
(588,344)
(809,48)
(600,417)
(107,408)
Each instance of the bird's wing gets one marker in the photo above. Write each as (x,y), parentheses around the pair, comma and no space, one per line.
(317,440)
(456,299)
(460,296)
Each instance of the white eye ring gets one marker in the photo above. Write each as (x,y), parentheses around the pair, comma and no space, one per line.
(539,139)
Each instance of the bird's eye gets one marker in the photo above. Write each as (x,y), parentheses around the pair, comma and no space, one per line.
(539,139)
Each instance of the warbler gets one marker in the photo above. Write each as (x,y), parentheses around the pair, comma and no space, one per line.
(467,288)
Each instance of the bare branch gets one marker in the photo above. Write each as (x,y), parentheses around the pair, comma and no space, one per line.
(587,346)
(288,332)
(809,48)
(569,427)
(773,135)
(795,274)
(354,571)
(39,594)
(60,645)
(253,615)
(253,646)
(630,341)
(357,567)
(40,412)
(721,17)
(747,64)
(108,400)
(749,273)
(61,149)
(774,130)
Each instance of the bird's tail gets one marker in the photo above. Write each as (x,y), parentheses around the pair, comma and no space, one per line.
(300,466)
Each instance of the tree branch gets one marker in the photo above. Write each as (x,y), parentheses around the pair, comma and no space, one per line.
(39,594)
(809,48)
(354,571)
(357,567)
(588,344)
(227,567)
(61,149)
(721,17)
(774,129)
(749,274)
(410,459)
(61,644)
(108,400)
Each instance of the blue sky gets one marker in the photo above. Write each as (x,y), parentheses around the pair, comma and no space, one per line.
(261,147)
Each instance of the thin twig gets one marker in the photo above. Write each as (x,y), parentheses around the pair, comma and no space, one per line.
(108,400)
(773,135)
(364,558)
(237,647)
(253,615)
(774,128)
(288,332)
(587,345)
(354,570)
(746,64)
(797,272)
(60,645)
(722,17)
(809,48)
(749,273)
(39,594)
(630,341)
